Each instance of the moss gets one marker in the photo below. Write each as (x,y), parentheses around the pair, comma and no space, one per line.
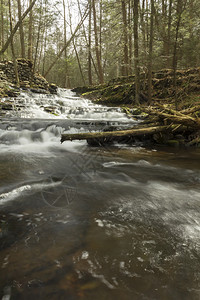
(173,143)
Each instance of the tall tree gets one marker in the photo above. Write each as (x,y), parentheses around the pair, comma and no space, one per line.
(99,64)
(2,24)
(21,30)
(66,75)
(30,34)
(136,52)
(12,45)
(180,6)
(150,54)
(89,45)
(125,66)
(75,49)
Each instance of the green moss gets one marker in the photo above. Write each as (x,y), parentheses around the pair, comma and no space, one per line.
(173,143)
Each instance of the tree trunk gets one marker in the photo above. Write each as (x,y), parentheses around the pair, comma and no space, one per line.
(125,40)
(12,46)
(38,37)
(111,135)
(76,52)
(99,65)
(130,34)
(2,24)
(30,34)
(179,10)
(136,52)
(150,54)
(169,33)
(21,30)
(66,79)
(89,45)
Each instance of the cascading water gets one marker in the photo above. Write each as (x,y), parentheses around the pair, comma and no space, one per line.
(116,222)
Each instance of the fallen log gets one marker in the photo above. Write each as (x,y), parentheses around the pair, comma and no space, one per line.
(134,132)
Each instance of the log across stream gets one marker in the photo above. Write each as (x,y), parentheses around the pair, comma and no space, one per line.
(177,122)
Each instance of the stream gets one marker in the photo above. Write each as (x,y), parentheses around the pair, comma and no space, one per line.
(79,222)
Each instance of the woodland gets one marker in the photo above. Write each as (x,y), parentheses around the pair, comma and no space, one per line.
(87,42)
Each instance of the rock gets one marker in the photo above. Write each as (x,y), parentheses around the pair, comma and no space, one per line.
(27,78)
(39,91)
(53,88)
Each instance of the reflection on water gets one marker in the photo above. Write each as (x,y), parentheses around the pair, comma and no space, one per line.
(98,223)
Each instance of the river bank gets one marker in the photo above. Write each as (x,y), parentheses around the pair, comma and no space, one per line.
(173,124)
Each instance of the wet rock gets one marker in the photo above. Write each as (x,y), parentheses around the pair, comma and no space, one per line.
(50,109)
(53,88)
(6,106)
(25,84)
(39,91)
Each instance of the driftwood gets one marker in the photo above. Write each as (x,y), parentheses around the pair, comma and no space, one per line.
(120,133)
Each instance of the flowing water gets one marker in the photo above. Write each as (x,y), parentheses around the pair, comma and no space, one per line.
(80,222)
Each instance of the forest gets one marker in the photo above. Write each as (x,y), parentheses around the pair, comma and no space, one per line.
(88,42)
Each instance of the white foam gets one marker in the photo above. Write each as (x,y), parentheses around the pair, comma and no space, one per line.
(15,193)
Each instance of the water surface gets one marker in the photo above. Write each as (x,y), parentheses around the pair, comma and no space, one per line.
(117,222)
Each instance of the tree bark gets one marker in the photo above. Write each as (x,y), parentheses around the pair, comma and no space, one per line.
(150,54)
(125,40)
(74,44)
(103,136)
(136,52)
(169,33)
(12,46)
(99,65)
(21,30)
(66,79)
(2,24)
(89,42)
(30,34)
(89,45)
(38,37)
(179,10)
